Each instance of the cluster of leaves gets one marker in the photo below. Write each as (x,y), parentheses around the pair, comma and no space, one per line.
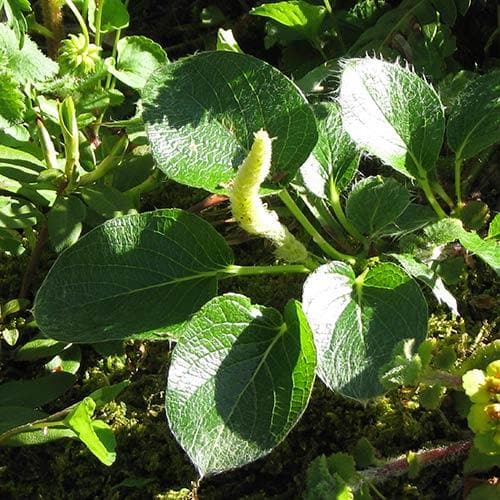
(229,354)
(241,374)
(418,31)
(65,167)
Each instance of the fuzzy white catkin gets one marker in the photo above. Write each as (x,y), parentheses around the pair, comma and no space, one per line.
(247,207)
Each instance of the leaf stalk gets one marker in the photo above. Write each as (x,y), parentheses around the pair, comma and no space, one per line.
(312,231)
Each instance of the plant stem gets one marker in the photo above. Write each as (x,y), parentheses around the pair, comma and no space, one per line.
(33,262)
(398,466)
(234,270)
(53,20)
(321,212)
(312,231)
(109,163)
(458,181)
(80,20)
(145,186)
(334,197)
(110,80)
(442,194)
(98,23)
(48,149)
(426,187)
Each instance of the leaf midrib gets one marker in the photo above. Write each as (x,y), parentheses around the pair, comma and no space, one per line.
(282,330)
(183,279)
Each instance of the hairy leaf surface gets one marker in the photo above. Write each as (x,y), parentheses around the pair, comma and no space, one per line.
(12,105)
(426,275)
(27,64)
(356,323)
(239,380)
(475,121)
(201,114)
(448,230)
(130,276)
(375,202)
(393,114)
(334,158)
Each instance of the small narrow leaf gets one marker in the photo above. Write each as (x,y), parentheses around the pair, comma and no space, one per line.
(226,41)
(201,114)
(14,416)
(39,436)
(239,380)
(107,393)
(38,348)
(131,276)
(475,121)
(36,392)
(393,114)
(95,434)
(357,321)
(334,158)
(375,202)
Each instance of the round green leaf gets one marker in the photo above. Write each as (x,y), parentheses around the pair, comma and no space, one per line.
(393,114)
(138,58)
(357,322)
(201,114)
(17,214)
(131,276)
(240,379)
(375,202)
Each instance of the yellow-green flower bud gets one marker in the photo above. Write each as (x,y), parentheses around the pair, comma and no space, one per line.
(78,56)
(247,207)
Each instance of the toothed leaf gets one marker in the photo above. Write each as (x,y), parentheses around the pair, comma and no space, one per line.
(392,113)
